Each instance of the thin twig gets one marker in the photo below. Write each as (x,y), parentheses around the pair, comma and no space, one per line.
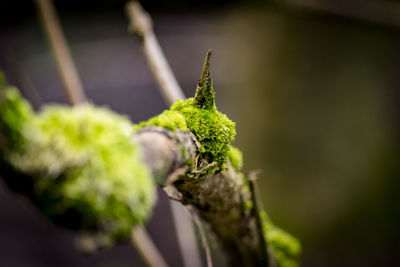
(142,242)
(76,95)
(141,26)
(206,247)
(66,67)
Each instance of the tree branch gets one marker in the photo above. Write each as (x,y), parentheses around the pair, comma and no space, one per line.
(221,199)
(65,65)
(142,27)
(141,240)
(75,92)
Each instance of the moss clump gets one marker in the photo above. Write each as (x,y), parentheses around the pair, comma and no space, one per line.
(82,163)
(15,112)
(286,249)
(213,129)
(235,156)
(200,116)
(169,119)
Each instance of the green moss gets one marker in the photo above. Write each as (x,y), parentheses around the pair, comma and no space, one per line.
(82,162)
(213,129)
(169,119)
(199,115)
(15,112)
(235,157)
(286,248)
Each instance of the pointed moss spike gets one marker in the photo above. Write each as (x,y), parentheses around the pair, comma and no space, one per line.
(204,97)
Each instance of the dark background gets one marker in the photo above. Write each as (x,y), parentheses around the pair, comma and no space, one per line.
(314,90)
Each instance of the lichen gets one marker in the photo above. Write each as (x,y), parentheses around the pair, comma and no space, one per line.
(82,162)
(285,248)
(235,157)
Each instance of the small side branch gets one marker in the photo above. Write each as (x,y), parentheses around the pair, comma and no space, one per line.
(142,27)
(66,67)
(142,242)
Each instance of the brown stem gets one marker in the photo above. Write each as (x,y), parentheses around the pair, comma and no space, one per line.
(142,27)
(149,253)
(65,65)
(221,199)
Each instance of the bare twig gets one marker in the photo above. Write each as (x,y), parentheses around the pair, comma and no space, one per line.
(76,95)
(141,26)
(207,250)
(142,242)
(66,67)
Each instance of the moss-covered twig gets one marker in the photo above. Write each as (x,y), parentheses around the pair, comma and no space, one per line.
(142,26)
(223,195)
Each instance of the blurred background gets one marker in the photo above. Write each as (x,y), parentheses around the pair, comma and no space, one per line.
(312,85)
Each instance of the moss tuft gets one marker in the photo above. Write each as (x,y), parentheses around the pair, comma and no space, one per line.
(235,157)
(213,129)
(286,249)
(15,112)
(83,163)
(169,119)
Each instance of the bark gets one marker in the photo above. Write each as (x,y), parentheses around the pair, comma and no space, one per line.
(221,198)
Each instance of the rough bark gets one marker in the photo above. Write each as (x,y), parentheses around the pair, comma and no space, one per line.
(221,198)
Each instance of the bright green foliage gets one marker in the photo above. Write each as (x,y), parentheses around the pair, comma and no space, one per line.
(169,119)
(84,163)
(235,156)
(200,116)
(286,248)
(213,129)
(14,113)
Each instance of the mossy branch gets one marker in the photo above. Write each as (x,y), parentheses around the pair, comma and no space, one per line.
(186,149)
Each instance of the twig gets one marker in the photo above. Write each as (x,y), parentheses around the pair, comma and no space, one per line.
(142,242)
(76,95)
(207,250)
(141,26)
(66,67)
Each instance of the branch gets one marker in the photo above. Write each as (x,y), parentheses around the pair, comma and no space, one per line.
(65,65)
(141,26)
(220,198)
(141,240)
(74,90)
